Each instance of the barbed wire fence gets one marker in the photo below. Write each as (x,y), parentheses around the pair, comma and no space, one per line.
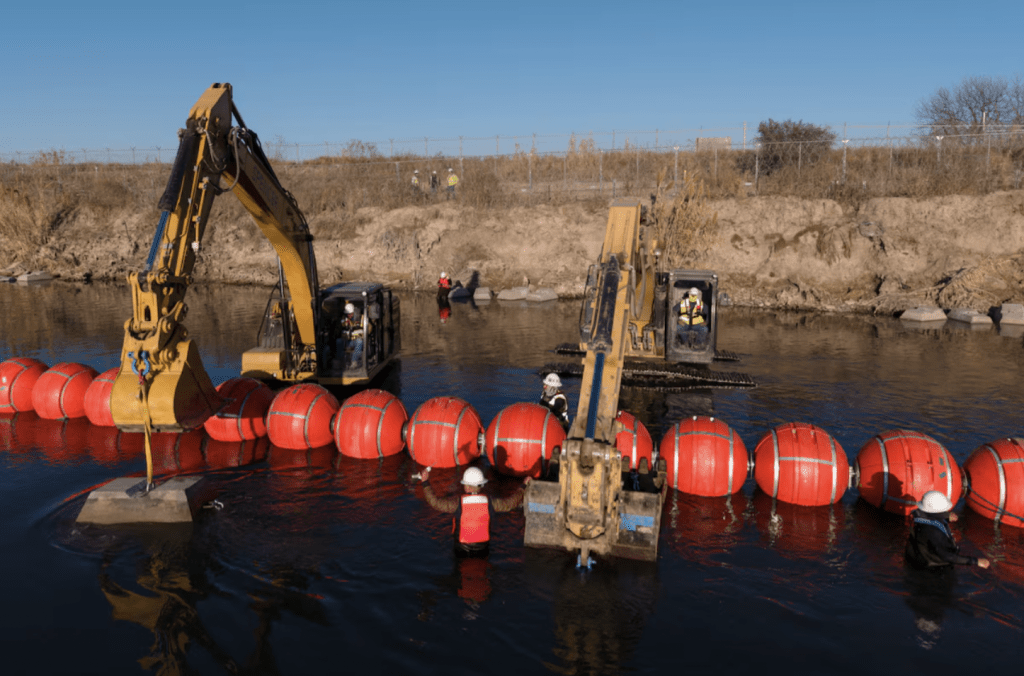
(867,160)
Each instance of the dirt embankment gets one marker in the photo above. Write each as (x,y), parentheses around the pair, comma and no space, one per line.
(891,254)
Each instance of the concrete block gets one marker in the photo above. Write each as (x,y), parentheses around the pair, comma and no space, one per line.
(515,293)
(1011,330)
(968,316)
(1011,313)
(482,293)
(125,500)
(924,314)
(541,295)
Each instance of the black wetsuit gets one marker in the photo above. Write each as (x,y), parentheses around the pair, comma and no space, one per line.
(931,543)
(558,405)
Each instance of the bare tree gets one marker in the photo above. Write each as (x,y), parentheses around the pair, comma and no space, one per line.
(977,102)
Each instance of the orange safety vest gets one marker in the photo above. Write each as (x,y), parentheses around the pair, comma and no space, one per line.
(684,313)
(444,283)
(472,523)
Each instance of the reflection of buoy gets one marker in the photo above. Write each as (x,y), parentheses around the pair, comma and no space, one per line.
(322,457)
(896,468)
(704,456)
(795,530)
(97,398)
(60,391)
(444,432)
(996,472)
(61,440)
(801,464)
(245,415)
(18,377)
(178,453)
(634,442)
(109,445)
(300,417)
(521,437)
(223,454)
(369,425)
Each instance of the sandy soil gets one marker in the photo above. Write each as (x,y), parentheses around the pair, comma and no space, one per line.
(891,254)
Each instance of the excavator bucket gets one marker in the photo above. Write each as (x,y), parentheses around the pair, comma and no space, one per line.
(173,398)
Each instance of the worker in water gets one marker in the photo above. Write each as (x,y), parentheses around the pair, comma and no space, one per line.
(931,544)
(554,399)
(444,287)
(692,328)
(473,510)
(354,329)
(453,181)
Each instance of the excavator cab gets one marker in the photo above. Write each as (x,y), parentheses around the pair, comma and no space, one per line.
(681,345)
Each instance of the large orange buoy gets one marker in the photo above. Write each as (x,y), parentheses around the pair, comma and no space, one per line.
(300,417)
(369,425)
(244,417)
(801,464)
(896,468)
(634,441)
(444,432)
(60,391)
(97,398)
(704,456)
(18,377)
(996,473)
(521,437)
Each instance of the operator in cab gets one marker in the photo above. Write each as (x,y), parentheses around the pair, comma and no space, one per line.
(931,544)
(692,327)
(354,331)
(554,399)
(471,524)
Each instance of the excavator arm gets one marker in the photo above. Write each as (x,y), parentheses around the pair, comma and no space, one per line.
(589,509)
(161,385)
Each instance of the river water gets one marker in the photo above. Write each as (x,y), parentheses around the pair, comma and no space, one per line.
(321,563)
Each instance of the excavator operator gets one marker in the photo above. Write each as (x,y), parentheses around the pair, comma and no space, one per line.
(692,328)
(354,332)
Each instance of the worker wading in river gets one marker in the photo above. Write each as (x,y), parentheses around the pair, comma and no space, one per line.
(444,287)
(471,524)
(931,544)
(554,399)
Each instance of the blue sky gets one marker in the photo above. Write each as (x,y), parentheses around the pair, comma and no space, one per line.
(121,74)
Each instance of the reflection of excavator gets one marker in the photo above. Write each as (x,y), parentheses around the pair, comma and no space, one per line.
(625,328)
(306,333)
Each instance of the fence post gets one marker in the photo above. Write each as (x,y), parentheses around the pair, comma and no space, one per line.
(529,164)
(397,175)
(133,154)
(613,139)
(497,151)
(845,141)
(565,172)
(600,173)
(638,167)
(744,134)
(938,150)
(392,147)
(675,171)
(799,159)
(757,164)
(716,165)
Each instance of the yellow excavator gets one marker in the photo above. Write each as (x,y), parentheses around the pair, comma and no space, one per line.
(627,327)
(344,334)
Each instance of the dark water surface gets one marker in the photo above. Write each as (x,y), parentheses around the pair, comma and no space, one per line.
(319,563)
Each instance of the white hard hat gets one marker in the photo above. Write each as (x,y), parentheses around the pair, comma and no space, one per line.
(433,172)
(416,171)
(694,291)
(349,308)
(449,169)
(444,275)
(473,477)
(935,502)
(552,380)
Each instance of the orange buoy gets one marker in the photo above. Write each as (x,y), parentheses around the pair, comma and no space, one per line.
(369,425)
(444,432)
(244,417)
(97,398)
(300,417)
(801,464)
(522,437)
(896,468)
(60,391)
(704,456)
(996,472)
(18,377)
(634,442)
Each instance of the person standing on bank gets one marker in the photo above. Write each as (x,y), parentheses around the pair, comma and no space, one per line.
(931,544)
(453,181)
(434,182)
(471,524)
(554,399)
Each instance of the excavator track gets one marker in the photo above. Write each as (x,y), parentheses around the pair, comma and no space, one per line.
(662,376)
(573,349)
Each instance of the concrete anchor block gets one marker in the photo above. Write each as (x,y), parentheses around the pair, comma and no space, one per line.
(541,295)
(924,314)
(969,316)
(482,293)
(1011,313)
(125,500)
(515,293)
